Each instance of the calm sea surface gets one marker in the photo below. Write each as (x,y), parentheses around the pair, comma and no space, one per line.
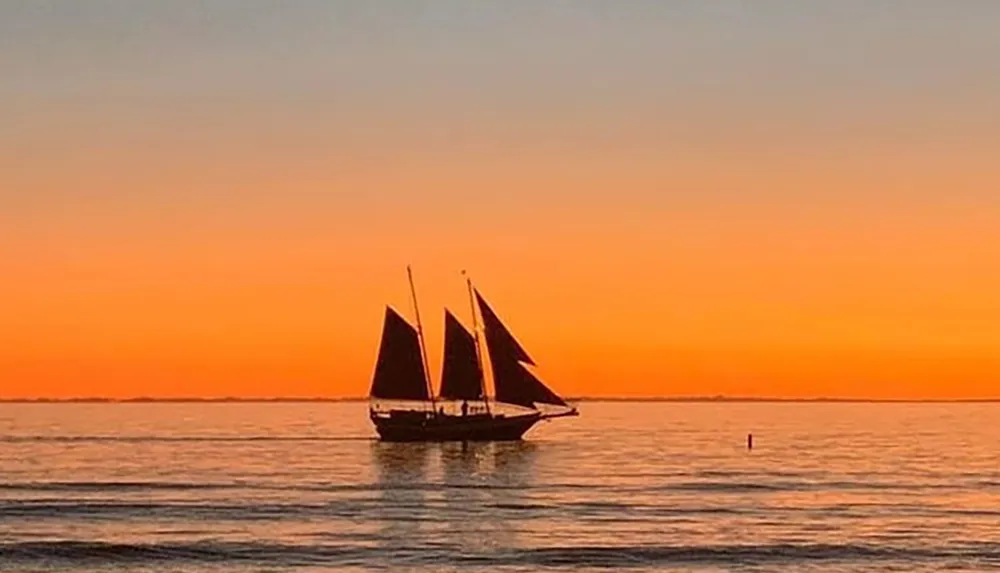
(636,486)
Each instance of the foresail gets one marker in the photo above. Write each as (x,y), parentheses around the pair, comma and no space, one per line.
(399,369)
(461,375)
(497,335)
(514,383)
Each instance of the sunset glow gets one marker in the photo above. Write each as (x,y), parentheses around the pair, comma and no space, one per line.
(223,206)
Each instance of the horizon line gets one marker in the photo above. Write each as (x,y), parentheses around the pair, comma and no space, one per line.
(637,399)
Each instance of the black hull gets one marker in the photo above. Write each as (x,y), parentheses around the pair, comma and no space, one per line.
(401,426)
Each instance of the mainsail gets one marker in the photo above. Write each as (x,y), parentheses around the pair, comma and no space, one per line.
(399,370)
(513,382)
(461,375)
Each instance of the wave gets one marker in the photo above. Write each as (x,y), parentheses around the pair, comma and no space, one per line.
(744,554)
(181,439)
(694,486)
(60,509)
(184,511)
(726,487)
(789,486)
(580,511)
(126,487)
(95,551)
(92,552)
(113,486)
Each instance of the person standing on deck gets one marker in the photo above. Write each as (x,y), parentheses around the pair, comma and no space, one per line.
(465,407)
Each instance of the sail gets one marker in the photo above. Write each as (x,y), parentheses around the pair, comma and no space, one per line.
(498,336)
(514,383)
(399,370)
(461,375)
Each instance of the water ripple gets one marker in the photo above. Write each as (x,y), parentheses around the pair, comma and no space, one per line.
(273,554)
(199,489)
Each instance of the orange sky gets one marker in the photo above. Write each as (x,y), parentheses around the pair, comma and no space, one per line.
(889,300)
(231,224)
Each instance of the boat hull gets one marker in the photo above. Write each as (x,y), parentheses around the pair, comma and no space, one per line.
(402,426)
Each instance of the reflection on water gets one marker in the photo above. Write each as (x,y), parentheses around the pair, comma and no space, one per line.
(486,483)
(458,461)
(428,488)
(497,463)
(400,463)
(400,505)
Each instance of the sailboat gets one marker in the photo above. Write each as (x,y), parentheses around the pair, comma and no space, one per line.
(415,414)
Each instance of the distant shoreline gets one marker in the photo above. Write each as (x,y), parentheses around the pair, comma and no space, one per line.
(669,399)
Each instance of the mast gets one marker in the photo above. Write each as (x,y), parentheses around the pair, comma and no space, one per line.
(475,336)
(420,335)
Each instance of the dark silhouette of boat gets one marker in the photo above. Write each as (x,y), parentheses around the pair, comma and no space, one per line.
(404,408)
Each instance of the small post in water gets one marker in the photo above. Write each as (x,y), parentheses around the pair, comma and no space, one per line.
(749,442)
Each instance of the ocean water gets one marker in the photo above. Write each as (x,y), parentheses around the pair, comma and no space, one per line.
(627,486)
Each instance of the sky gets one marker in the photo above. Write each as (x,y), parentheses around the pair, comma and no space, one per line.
(777,198)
